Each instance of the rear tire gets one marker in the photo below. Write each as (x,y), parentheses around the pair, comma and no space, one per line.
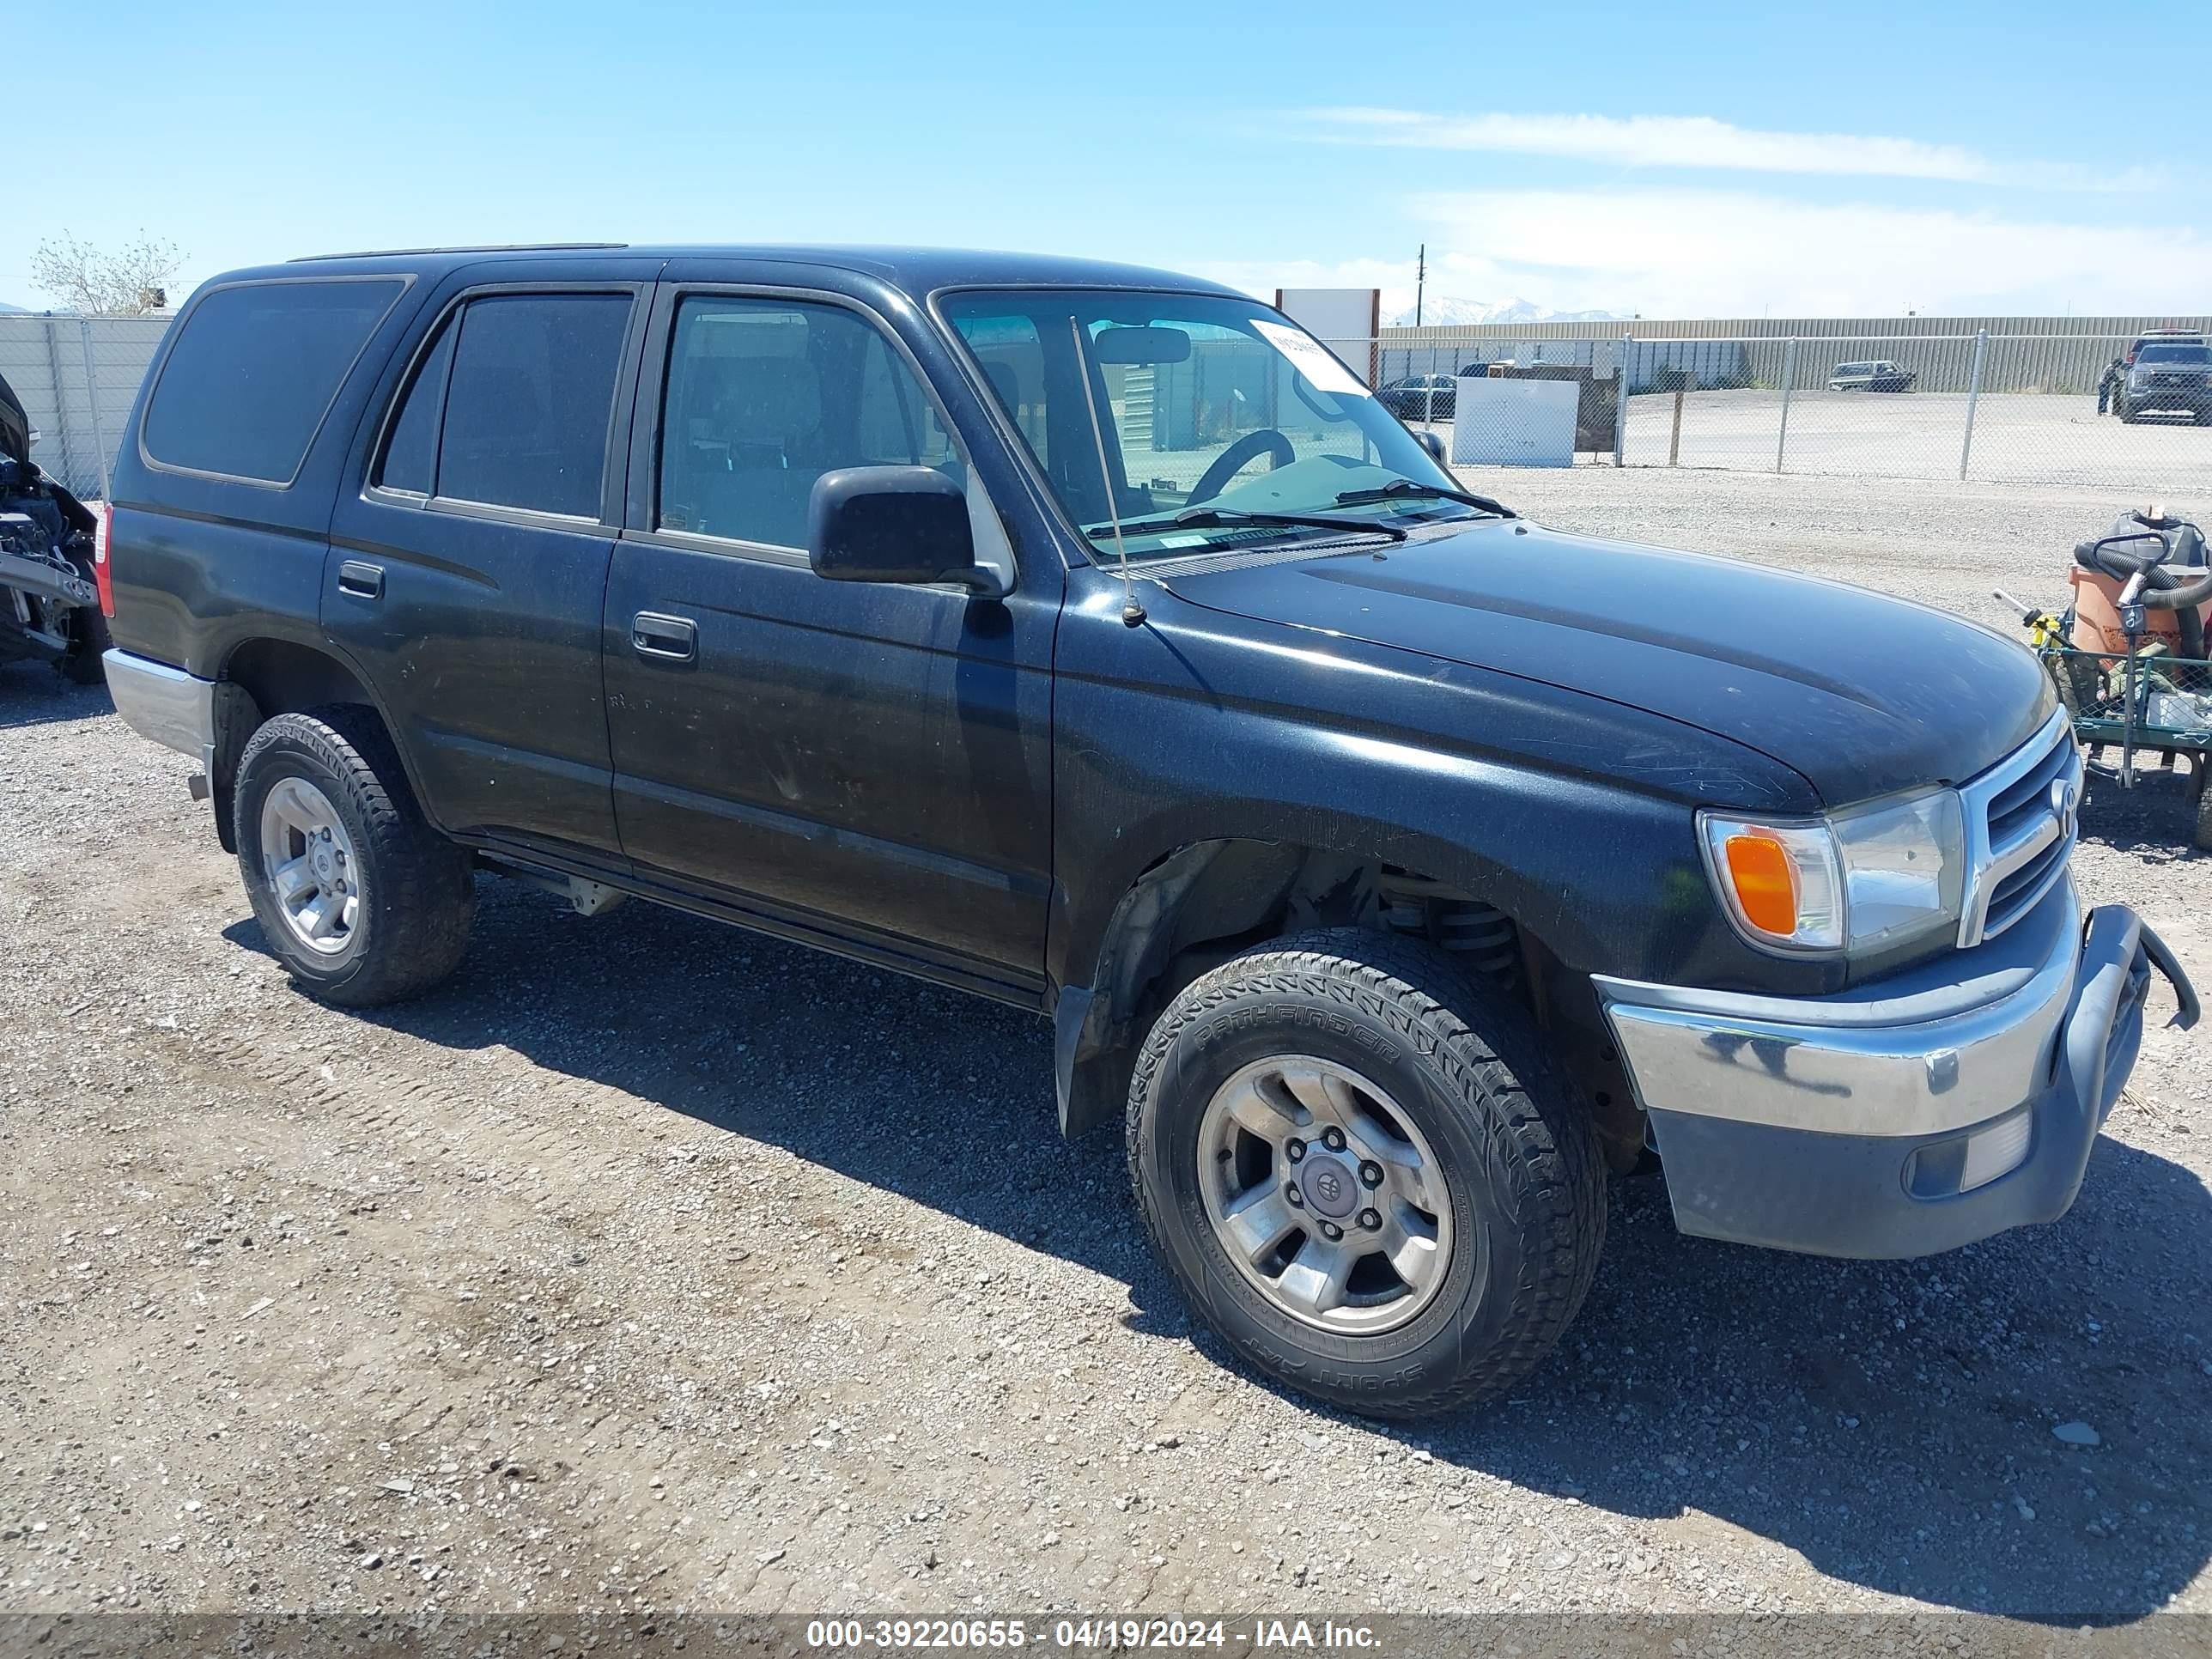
(1502,1226)
(375,904)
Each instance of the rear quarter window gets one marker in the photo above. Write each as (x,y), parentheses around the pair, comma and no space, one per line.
(255,368)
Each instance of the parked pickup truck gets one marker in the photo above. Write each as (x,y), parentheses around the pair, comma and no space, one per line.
(2167,378)
(1091,638)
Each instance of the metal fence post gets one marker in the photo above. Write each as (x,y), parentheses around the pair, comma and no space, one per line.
(1620,397)
(1973,397)
(1789,385)
(61,405)
(91,401)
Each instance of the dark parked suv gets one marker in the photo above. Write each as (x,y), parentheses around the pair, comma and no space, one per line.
(1091,638)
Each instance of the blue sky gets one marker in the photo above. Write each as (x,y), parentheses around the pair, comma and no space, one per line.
(1666,161)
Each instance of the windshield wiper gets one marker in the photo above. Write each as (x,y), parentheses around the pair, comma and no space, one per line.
(1198,517)
(1405,489)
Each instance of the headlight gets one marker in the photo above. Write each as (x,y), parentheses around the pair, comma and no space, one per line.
(1853,882)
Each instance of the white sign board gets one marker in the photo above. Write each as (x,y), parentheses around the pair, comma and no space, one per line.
(1498,422)
(1347,320)
(1334,314)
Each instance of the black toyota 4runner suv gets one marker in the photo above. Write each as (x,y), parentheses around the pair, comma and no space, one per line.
(1091,638)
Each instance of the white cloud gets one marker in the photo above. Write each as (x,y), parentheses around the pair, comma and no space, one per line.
(1722,254)
(1260,278)
(1698,253)
(1700,140)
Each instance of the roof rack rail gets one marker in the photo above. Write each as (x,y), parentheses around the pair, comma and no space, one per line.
(489,247)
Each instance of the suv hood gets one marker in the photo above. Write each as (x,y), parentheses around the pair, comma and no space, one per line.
(1861,693)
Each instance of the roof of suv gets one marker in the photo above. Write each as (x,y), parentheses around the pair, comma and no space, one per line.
(916,270)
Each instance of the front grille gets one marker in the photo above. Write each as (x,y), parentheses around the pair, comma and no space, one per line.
(2013,895)
(2020,830)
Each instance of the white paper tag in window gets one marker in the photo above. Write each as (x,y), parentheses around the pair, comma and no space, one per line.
(1311,359)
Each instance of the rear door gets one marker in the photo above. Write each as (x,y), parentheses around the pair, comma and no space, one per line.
(467,570)
(867,765)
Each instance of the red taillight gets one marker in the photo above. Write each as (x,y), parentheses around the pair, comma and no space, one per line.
(103,518)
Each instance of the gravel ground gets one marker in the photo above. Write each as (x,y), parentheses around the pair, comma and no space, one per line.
(688,1270)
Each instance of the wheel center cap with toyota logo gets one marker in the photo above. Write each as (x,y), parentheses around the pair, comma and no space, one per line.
(1331,1188)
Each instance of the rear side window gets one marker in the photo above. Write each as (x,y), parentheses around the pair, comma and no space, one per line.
(411,458)
(531,391)
(254,369)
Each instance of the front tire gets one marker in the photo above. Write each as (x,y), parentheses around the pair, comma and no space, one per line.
(360,898)
(1357,1084)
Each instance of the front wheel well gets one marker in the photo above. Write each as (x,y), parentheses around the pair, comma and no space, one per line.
(1207,902)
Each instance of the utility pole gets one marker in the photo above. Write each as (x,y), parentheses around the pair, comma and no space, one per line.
(1420,282)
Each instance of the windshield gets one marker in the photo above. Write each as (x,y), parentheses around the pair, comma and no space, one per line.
(1202,402)
(2175,354)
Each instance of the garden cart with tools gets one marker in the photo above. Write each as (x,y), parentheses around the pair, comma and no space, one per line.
(2129,655)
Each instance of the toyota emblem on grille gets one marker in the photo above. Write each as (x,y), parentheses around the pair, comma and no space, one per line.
(2066,802)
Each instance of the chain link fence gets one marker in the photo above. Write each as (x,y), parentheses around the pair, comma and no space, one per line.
(77,377)
(1986,406)
(2044,408)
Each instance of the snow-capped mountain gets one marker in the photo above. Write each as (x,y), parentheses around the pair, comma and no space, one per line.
(1445,311)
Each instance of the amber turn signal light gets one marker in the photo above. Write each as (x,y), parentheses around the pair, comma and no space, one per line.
(1765,882)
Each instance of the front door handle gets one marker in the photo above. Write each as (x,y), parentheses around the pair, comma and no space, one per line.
(362,582)
(674,638)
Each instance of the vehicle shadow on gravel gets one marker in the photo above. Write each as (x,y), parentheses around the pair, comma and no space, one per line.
(1889,1422)
(31,694)
(1892,1422)
(2154,822)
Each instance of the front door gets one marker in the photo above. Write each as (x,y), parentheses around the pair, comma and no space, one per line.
(859,764)
(466,577)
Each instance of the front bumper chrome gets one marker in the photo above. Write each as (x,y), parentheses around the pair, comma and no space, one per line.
(163,704)
(1865,1124)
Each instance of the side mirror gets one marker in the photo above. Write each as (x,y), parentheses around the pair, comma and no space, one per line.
(894,523)
(1434,443)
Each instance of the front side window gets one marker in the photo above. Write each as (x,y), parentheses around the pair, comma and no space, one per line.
(1202,402)
(255,369)
(764,396)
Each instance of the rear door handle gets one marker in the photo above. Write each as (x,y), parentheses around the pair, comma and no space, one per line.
(362,582)
(675,638)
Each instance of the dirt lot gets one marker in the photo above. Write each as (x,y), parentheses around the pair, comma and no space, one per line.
(655,1264)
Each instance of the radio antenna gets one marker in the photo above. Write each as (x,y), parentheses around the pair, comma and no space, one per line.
(1132,612)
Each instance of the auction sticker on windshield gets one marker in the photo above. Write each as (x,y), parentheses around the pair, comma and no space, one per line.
(1311,359)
